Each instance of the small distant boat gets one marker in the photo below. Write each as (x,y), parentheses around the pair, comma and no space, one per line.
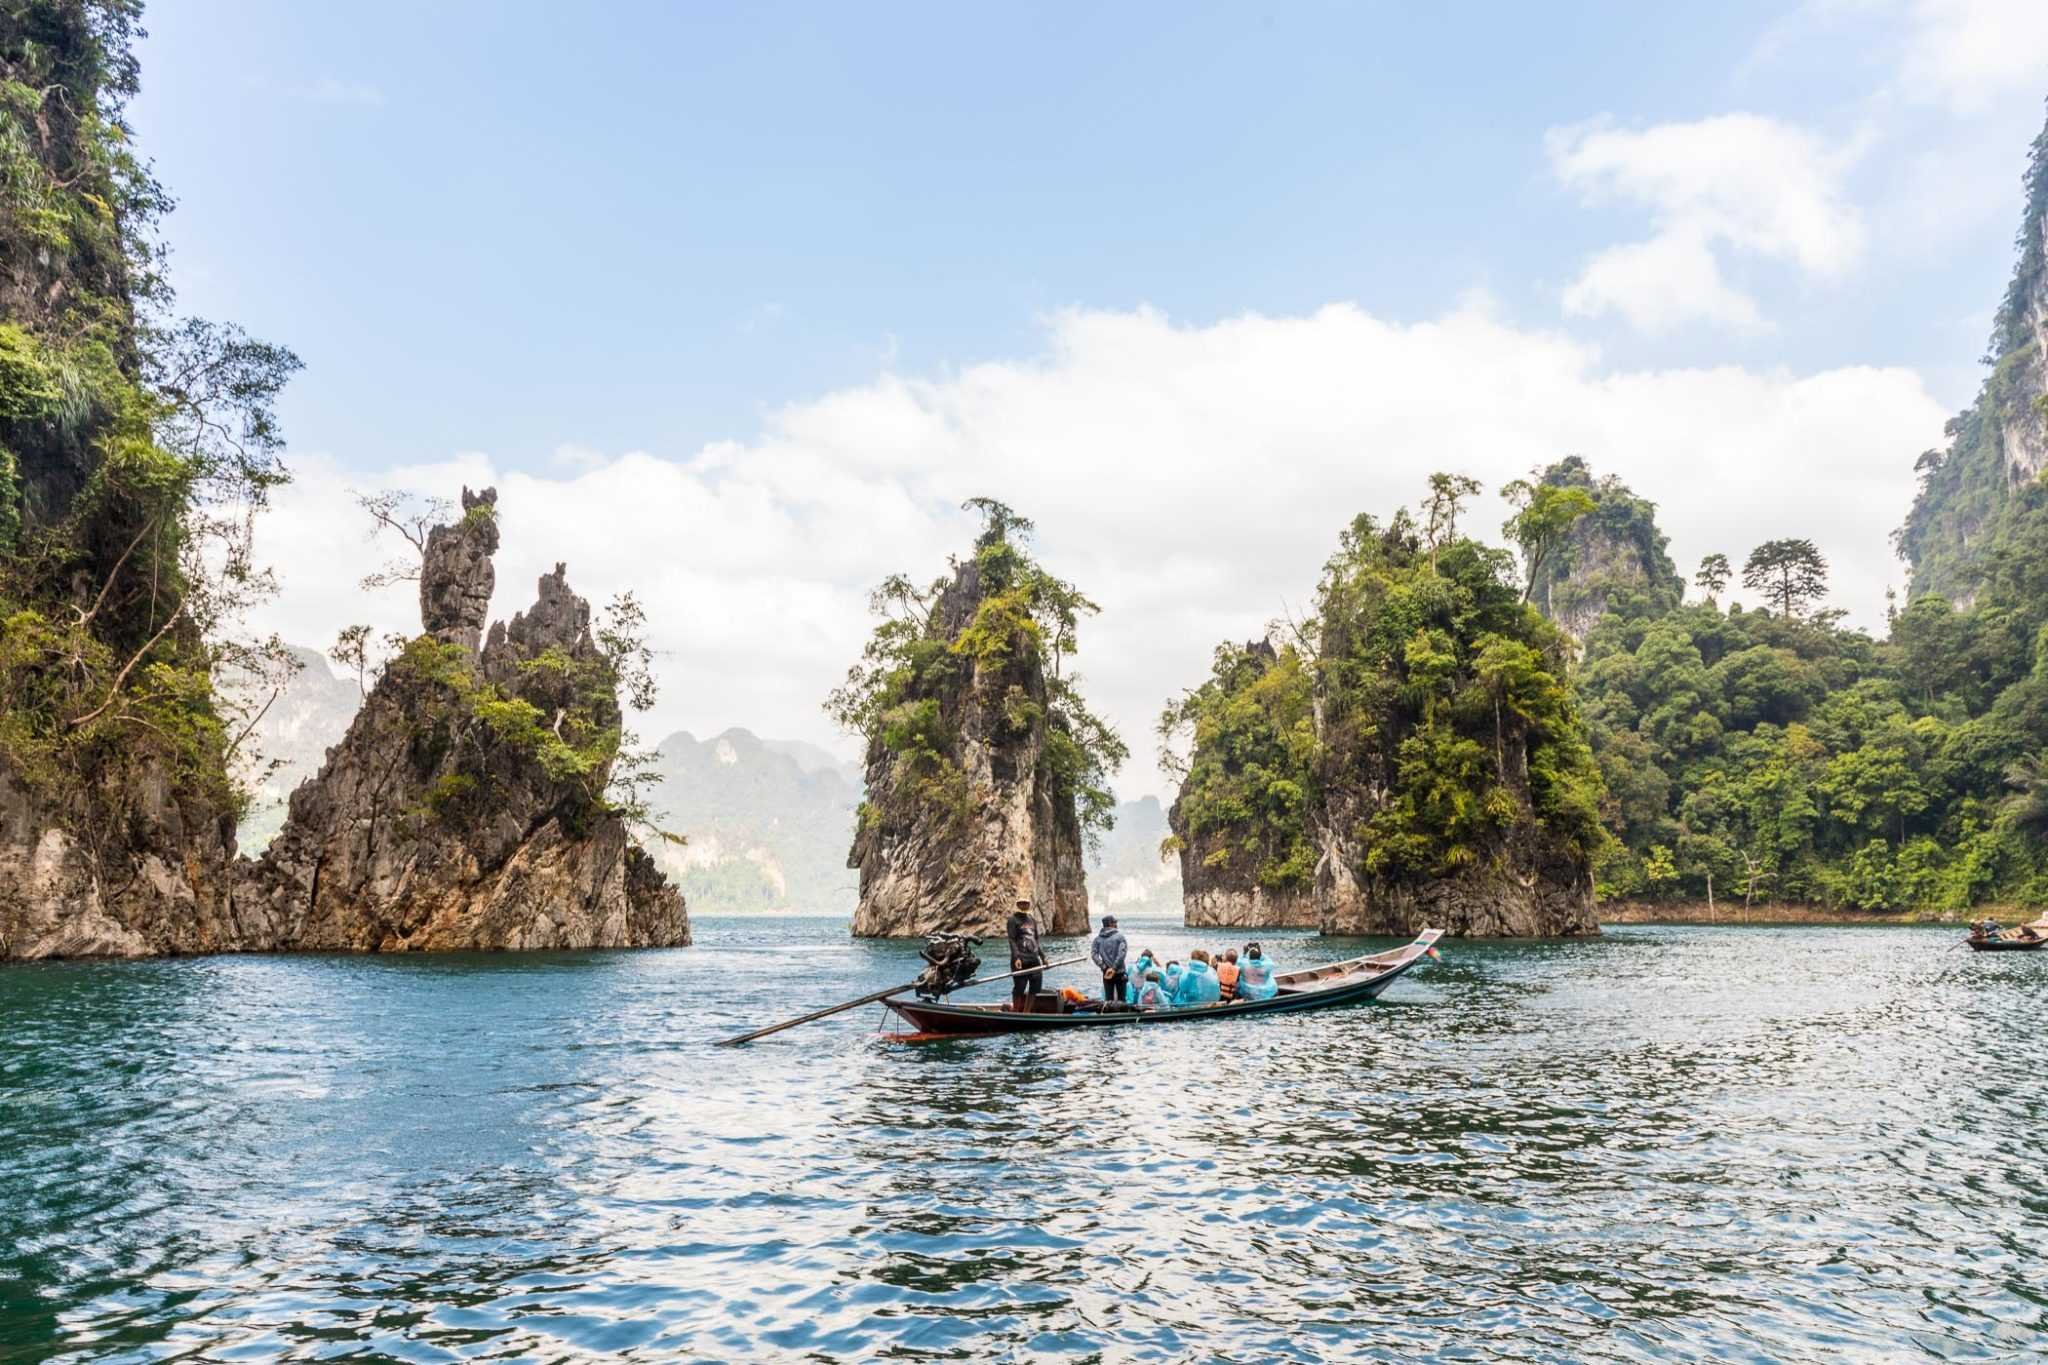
(1350,982)
(1987,936)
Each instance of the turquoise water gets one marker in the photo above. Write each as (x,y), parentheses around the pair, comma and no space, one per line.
(1691,1144)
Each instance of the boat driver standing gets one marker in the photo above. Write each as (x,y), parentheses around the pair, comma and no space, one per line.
(1024,952)
(1108,951)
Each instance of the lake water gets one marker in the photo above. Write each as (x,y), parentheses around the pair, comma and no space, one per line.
(1670,1144)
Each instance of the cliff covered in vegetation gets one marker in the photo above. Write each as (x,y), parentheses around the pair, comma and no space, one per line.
(468,805)
(1241,821)
(133,447)
(1453,783)
(985,769)
(1613,557)
(1977,493)
(1770,754)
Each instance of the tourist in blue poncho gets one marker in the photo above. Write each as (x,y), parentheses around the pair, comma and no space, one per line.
(1198,983)
(1146,963)
(1152,993)
(1255,980)
(1171,977)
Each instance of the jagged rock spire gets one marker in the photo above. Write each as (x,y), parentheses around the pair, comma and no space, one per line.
(456,576)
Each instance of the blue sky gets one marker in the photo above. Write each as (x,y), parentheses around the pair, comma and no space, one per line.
(731,256)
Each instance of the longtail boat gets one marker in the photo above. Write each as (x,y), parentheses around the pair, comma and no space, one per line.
(1350,982)
(1988,936)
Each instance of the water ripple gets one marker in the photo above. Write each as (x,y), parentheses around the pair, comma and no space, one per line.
(1687,1144)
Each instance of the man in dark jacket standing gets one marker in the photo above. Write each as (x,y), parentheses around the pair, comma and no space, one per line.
(1108,951)
(1024,952)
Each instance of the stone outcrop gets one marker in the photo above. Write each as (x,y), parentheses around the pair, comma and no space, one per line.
(1528,883)
(1221,867)
(71,886)
(956,855)
(435,823)
(1614,552)
(456,575)
(1451,785)
(1532,889)
(1977,488)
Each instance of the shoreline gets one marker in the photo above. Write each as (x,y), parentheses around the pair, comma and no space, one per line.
(1732,912)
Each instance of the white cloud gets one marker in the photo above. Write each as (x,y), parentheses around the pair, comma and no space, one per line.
(1968,53)
(1192,479)
(1657,285)
(1737,183)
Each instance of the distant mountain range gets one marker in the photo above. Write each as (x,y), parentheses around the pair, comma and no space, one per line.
(768,821)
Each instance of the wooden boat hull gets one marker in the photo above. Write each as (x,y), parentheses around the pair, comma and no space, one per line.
(2006,945)
(1354,987)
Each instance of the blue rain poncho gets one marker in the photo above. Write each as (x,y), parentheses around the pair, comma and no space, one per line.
(1136,978)
(1255,979)
(1198,986)
(1151,996)
(1173,974)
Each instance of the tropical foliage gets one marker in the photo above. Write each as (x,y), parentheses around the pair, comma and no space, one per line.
(1002,630)
(1769,754)
(1250,732)
(134,447)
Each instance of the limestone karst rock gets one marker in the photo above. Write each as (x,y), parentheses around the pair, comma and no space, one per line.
(1992,474)
(953,849)
(445,818)
(1614,554)
(456,574)
(1453,784)
(1239,822)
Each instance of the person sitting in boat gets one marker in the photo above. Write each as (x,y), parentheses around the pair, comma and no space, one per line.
(1255,980)
(1171,976)
(1148,961)
(1152,993)
(1198,984)
(1226,974)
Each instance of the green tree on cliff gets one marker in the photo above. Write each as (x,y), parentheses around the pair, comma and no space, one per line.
(1792,574)
(135,448)
(1444,693)
(1014,644)
(1245,782)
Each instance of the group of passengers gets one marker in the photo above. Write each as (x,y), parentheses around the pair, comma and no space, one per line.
(1204,979)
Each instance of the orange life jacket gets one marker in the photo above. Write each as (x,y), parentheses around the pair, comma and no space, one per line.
(1226,976)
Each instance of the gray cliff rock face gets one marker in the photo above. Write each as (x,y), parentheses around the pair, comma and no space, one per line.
(456,575)
(2023,423)
(69,888)
(963,870)
(426,830)
(1535,893)
(1527,886)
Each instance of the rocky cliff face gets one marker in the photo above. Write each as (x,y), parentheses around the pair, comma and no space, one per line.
(1988,476)
(955,852)
(1533,889)
(71,886)
(444,819)
(1612,554)
(1453,786)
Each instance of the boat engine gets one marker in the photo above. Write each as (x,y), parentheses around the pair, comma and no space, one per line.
(950,963)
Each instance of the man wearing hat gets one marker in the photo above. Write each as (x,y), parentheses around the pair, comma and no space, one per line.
(1108,952)
(1024,952)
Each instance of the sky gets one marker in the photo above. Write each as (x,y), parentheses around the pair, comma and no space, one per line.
(736,304)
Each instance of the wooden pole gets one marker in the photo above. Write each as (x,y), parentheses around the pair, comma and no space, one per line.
(884,994)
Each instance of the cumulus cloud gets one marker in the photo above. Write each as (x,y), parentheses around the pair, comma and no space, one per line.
(1968,53)
(1737,183)
(1191,479)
